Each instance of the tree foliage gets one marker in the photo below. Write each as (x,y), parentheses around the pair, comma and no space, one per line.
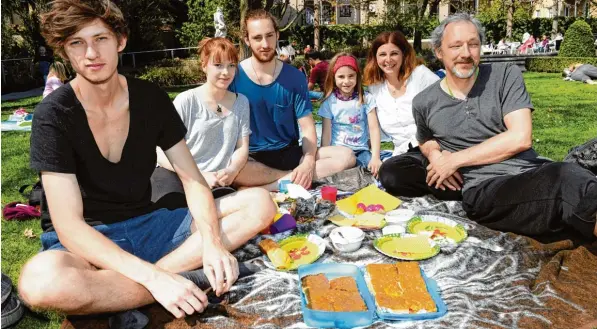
(146,20)
(22,40)
(200,23)
(411,17)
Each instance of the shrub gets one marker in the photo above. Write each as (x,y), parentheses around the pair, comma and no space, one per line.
(556,64)
(168,73)
(578,41)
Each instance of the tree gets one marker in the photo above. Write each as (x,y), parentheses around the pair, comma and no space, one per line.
(578,41)
(409,17)
(146,20)
(508,16)
(28,12)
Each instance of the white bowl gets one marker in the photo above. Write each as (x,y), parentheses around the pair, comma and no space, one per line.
(349,241)
(393,229)
(399,216)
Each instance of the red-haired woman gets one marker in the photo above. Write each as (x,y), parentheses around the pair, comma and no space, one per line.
(217,120)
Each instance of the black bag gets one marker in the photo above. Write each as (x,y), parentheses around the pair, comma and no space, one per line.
(12,307)
(585,155)
(35,196)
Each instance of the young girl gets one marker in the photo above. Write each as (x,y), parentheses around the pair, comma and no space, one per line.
(216,119)
(349,115)
(56,78)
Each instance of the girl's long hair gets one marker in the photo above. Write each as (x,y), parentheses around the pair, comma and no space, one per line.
(59,70)
(330,79)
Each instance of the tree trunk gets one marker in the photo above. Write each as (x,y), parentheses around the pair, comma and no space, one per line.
(434,7)
(554,24)
(244,51)
(417,42)
(510,19)
(316,14)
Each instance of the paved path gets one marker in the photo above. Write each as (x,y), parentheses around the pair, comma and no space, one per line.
(23,94)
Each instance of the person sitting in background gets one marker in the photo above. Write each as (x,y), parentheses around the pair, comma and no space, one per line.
(581,72)
(544,45)
(502,46)
(319,69)
(435,66)
(56,78)
(528,43)
(307,49)
(284,56)
(291,50)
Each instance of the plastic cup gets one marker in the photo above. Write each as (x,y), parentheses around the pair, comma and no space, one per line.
(282,186)
(329,193)
(285,223)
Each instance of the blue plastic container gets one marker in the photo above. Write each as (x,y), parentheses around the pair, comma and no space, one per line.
(325,319)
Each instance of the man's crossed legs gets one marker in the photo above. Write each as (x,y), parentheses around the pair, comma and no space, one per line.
(59,280)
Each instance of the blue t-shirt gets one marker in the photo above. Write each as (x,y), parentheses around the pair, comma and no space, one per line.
(349,121)
(275,108)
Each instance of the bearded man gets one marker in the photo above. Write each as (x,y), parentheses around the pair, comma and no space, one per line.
(279,99)
(475,129)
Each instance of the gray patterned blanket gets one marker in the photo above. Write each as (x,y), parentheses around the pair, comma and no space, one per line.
(491,280)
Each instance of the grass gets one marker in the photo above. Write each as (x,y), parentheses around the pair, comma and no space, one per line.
(564,116)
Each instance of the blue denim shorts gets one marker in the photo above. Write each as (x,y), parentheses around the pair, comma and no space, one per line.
(363,157)
(149,237)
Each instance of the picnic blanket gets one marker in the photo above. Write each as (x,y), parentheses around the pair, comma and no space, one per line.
(491,280)
(11,125)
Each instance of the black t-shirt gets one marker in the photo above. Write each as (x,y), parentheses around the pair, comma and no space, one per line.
(62,142)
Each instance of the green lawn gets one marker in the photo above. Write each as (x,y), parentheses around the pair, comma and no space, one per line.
(564,117)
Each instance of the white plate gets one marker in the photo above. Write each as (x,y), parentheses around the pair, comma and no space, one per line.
(393,229)
(399,216)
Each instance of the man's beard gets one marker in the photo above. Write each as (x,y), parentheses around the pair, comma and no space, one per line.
(465,75)
(259,56)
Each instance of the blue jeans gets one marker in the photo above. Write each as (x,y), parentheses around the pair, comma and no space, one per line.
(149,237)
(315,94)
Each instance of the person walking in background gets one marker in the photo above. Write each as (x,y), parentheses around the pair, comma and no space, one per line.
(349,115)
(56,78)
